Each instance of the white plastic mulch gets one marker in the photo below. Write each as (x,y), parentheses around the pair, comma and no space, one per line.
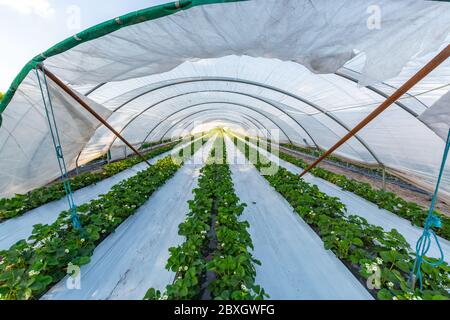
(357,205)
(133,258)
(295,264)
(19,228)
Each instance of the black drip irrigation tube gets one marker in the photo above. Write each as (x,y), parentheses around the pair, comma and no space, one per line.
(209,276)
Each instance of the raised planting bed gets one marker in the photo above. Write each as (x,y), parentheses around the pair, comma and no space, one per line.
(367,250)
(214,262)
(30,267)
(411,211)
(20,204)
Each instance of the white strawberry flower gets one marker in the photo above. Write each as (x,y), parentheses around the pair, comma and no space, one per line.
(33,273)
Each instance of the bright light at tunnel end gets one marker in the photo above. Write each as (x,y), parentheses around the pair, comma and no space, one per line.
(262,145)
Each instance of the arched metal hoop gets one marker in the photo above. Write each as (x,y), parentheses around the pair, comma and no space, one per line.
(216,102)
(248,82)
(219,118)
(222,91)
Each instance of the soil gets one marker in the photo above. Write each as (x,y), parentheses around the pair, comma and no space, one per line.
(409,195)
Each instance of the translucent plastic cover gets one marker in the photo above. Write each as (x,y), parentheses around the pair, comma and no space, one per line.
(309,69)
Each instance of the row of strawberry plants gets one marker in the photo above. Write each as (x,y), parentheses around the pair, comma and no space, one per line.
(20,204)
(317,153)
(383,199)
(367,250)
(411,211)
(30,267)
(214,262)
(147,145)
(310,151)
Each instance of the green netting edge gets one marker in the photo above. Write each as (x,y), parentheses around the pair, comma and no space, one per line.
(100,30)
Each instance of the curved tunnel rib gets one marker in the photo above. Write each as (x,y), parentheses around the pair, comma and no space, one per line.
(337,73)
(256,123)
(212,110)
(222,117)
(199,104)
(222,91)
(226,119)
(248,82)
(218,102)
(380,92)
(191,123)
(190,115)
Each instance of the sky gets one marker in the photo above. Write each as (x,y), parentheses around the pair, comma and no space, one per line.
(29,27)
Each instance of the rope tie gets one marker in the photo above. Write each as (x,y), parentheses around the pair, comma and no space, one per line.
(433,221)
(58,149)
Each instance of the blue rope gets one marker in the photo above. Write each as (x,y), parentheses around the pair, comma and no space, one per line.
(424,242)
(58,149)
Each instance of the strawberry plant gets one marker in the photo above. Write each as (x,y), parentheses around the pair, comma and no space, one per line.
(364,248)
(147,145)
(214,262)
(20,204)
(383,199)
(31,266)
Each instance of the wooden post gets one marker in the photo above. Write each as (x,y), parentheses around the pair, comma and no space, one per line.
(430,66)
(70,92)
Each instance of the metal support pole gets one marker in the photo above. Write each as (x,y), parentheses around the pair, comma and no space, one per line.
(383,173)
(430,66)
(108,156)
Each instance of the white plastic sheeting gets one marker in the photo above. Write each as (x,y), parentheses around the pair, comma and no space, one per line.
(133,258)
(296,62)
(363,208)
(20,228)
(294,262)
(438,116)
(27,155)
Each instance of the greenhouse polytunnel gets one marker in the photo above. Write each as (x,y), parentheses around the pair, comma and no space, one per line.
(233,150)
